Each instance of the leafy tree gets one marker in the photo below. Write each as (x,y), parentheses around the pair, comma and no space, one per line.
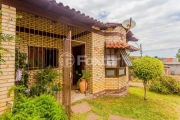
(147,68)
(178,55)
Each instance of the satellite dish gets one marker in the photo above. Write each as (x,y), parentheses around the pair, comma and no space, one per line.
(129,24)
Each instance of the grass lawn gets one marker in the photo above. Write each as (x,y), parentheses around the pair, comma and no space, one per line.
(157,107)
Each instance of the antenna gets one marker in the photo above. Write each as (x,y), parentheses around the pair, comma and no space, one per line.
(128,24)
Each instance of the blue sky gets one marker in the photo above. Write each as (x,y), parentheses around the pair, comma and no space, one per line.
(157,21)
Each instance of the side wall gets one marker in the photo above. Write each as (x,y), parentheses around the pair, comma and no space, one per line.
(117,85)
(7,78)
(101,84)
(174,68)
(98,70)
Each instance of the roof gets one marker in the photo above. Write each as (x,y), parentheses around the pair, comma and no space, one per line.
(171,63)
(132,48)
(65,14)
(116,44)
(119,44)
(68,12)
(130,37)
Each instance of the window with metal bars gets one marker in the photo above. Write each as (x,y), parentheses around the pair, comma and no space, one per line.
(116,62)
(40,57)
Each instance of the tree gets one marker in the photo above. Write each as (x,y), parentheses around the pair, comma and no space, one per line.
(147,68)
(178,55)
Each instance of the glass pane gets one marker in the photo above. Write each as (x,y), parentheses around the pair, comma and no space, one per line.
(108,57)
(110,72)
(112,51)
(113,57)
(108,51)
(109,63)
(121,71)
(114,63)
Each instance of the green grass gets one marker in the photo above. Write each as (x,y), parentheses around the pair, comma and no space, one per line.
(157,107)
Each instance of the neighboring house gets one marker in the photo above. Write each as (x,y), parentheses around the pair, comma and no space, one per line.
(44,29)
(174,67)
(169,59)
(171,66)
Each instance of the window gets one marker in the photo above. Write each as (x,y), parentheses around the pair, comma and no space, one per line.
(116,62)
(111,58)
(40,57)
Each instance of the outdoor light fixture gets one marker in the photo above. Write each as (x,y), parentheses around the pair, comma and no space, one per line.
(140,47)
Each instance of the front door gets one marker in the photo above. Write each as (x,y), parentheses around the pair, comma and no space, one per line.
(79,63)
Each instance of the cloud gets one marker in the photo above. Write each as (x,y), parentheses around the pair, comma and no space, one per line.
(157,21)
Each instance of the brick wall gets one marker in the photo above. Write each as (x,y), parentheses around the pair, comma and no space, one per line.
(100,84)
(98,73)
(7,78)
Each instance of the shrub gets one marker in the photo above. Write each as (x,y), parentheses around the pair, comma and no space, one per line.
(165,85)
(43,107)
(46,81)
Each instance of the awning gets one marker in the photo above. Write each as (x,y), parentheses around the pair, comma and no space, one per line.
(120,45)
(125,57)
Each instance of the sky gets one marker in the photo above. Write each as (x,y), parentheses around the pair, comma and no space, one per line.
(157,21)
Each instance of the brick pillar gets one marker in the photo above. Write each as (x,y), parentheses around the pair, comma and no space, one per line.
(8,69)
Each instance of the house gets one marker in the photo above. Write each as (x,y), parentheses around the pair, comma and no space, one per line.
(171,66)
(49,31)
(174,67)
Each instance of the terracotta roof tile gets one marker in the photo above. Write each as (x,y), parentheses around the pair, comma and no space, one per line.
(116,44)
(120,44)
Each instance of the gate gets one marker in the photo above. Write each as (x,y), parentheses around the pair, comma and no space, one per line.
(67,63)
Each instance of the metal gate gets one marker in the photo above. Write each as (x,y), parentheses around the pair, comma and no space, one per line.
(67,63)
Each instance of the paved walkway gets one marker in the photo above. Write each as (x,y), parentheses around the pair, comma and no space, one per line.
(136,84)
(80,108)
(74,96)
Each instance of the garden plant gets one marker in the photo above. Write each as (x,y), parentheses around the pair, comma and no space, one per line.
(147,68)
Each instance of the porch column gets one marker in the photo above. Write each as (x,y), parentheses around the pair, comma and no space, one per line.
(8,69)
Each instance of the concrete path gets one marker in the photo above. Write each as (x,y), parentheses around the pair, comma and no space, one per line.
(92,116)
(136,84)
(80,108)
(74,96)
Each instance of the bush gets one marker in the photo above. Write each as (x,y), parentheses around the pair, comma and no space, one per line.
(165,85)
(46,82)
(43,107)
